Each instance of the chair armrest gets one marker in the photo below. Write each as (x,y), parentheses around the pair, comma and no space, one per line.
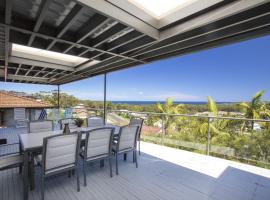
(3,141)
(4,145)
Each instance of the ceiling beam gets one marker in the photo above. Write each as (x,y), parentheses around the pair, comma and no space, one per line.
(65,41)
(210,17)
(119,42)
(38,72)
(27,78)
(92,25)
(106,36)
(108,9)
(67,23)
(47,74)
(32,67)
(18,69)
(26,61)
(40,17)
(8,11)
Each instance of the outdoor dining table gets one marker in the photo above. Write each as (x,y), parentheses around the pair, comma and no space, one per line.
(33,142)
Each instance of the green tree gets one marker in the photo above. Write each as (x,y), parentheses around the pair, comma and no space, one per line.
(66,100)
(169,108)
(217,126)
(255,109)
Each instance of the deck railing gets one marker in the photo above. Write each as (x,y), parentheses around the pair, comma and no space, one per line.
(235,138)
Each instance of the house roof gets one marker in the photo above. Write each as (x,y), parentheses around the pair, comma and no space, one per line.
(9,100)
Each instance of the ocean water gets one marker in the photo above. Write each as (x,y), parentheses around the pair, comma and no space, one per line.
(155,102)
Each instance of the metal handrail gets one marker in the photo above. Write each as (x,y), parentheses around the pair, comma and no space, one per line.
(187,115)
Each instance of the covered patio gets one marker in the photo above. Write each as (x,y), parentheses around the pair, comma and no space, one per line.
(54,42)
(163,173)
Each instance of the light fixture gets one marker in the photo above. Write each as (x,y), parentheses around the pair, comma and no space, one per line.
(47,55)
(103,28)
(160,8)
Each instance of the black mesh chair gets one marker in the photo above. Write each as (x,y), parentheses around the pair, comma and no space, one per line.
(135,121)
(126,142)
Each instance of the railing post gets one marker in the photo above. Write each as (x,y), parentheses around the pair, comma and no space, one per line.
(208,136)
(163,130)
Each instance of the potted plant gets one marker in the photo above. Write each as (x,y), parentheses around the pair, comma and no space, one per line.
(79,122)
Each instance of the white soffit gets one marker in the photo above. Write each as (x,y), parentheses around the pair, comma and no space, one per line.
(46,56)
(161,13)
(160,8)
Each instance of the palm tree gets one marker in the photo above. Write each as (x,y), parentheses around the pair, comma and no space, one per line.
(255,109)
(168,108)
(216,125)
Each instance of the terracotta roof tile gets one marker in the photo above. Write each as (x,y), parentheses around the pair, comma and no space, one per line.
(9,100)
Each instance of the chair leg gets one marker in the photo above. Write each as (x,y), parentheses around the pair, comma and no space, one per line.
(133,157)
(42,187)
(110,163)
(32,173)
(125,156)
(136,160)
(139,147)
(20,170)
(78,179)
(116,161)
(84,173)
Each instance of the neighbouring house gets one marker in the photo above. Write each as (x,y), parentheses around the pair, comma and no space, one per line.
(16,110)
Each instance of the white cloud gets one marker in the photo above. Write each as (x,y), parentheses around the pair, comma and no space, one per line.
(134,95)
(142,96)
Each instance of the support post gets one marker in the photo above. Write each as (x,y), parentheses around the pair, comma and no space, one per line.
(58,97)
(208,136)
(163,129)
(105,100)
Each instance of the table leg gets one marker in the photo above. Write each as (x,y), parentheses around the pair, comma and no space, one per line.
(102,163)
(25,176)
(32,173)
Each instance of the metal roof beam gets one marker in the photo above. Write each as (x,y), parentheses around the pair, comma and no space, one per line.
(27,78)
(26,61)
(32,67)
(92,25)
(67,23)
(212,16)
(124,17)
(18,69)
(65,41)
(41,15)
(8,11)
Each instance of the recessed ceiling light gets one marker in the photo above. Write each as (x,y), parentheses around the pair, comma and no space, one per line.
(74,60)
(159,8)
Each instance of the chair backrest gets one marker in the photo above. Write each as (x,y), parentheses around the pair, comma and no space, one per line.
(127,137)
(69,121)
(98,142)
(94,122)
(136,121)
(40,126)
(60,151)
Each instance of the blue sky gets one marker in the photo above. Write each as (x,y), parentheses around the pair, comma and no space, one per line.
(230,73)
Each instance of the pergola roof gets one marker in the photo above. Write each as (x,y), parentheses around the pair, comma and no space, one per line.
(115,34)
